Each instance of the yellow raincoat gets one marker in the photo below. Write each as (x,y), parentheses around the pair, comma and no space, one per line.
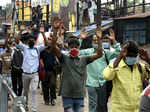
(127,86)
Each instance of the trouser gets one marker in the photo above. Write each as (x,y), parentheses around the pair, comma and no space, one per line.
(144,104)
(17,84)
(81,17)
(91,16)
(49,86)
(31,80)
(85,17)
(73,104)
(108,89)
(97,99)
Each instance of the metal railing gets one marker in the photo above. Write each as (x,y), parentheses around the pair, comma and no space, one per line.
(131,10)
(18,102)
(107,13)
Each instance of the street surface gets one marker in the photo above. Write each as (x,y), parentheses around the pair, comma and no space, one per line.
(48,108)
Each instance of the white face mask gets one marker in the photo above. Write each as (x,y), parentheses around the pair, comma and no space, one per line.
(95,46)
(131,60)
(105,45)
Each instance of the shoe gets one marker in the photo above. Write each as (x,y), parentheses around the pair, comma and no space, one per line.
(9,99)
(26,108)
(34,110)
(53,102)
(46,103)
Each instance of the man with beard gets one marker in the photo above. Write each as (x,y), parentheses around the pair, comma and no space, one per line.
(49,80)
(30,66)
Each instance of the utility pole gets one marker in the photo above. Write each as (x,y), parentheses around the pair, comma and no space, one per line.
(143,6)
(30,10)
(13,15)
(99,18)
(125,7)
(51,9)
(5,16)
(47,16)
(121,8)
(134,6)
(22,10)
(116,7)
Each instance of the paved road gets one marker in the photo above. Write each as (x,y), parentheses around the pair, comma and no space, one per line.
(57,108)
(44,108)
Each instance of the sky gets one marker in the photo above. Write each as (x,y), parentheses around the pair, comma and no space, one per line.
(4,2)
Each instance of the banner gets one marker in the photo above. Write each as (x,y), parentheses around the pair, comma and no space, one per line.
(27,13)
(64,3)
(56,6)
(44,12)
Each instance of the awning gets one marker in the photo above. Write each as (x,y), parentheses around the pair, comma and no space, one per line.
(92,27)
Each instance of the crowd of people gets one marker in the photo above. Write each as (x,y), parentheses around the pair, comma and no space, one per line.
(110,72)
(87,11)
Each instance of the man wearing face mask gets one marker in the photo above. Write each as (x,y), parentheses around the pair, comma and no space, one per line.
(74,68)
(106,42)
(16,64)
(127,78)
(95,82)
(30,65)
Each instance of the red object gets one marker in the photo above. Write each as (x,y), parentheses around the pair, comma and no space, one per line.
(147,92)
(41,70)
(74,52)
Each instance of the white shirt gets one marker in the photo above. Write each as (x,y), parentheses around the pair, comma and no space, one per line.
(31,57)
(84,5)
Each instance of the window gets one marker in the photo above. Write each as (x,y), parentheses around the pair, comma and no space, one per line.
(135,31)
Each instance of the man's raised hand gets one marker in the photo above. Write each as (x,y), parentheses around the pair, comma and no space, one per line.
(99,32)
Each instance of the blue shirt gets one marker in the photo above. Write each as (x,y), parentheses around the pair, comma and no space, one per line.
(31,57)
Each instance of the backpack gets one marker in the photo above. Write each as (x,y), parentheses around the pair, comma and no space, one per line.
(17,59)
(145,82)
(89,4)
(109,84)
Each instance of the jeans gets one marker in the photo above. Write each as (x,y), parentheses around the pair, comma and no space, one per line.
(73,104)
(97,99)
(31,80)
(49,86)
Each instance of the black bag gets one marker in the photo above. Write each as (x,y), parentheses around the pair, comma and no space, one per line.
(145,81)
(109,85)
(89,4)
(17,59)
(1,66)
(57,66)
